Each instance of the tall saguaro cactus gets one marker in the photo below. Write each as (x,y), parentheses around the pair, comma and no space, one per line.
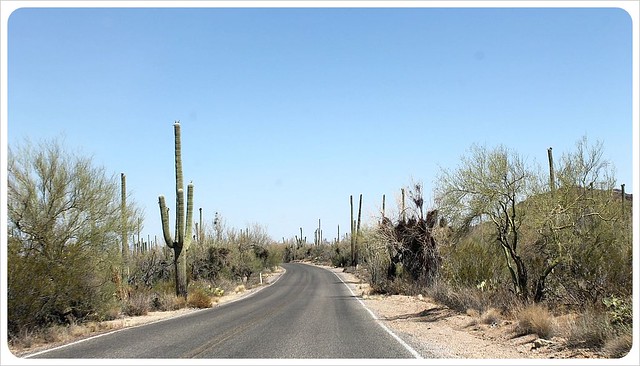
(352,237)
(182,240)
(123,227)
(358,229)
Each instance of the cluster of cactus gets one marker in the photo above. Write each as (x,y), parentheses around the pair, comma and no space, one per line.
(299,240)
(317,235)
(182,240)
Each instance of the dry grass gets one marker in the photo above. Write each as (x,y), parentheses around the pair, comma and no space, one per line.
(239,289)
(535,319)
(592,329)
(137,304)
(618,347)
(59,334)
(492,316)
(199,299)
(167,302)
(459,299)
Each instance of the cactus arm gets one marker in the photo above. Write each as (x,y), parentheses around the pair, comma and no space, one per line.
(164,215)
(178,155)
(188,230)
(180,215)
(178,166)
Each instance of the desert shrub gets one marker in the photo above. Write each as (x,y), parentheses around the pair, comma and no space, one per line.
(396,286)
(460,299)
(163,301)
(226,284)
(341,254)
(463,299)
(199,298)
(164,287)
(209,263)
(63,224)
(535,319)
(137,304)
(375,254)
(276,256)
(620,311)
(474,260)
(592,329)
(244,264)
(54,333)
(109,313)
(150,267)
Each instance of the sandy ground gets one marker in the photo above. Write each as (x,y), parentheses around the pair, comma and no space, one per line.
(432,330)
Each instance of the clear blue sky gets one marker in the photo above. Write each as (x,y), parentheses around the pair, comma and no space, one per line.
(287,112)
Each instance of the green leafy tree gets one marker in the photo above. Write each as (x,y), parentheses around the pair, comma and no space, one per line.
(580,223)
(566,236)
(490,185)
(63,225)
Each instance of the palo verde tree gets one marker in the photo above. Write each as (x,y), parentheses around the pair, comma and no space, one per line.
(63,227)
(182,239)
(490,185)
(565,236)
(580,228)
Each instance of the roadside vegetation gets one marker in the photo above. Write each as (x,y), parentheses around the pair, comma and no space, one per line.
(68,269)
(549,249)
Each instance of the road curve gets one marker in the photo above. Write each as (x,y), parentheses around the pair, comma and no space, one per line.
(308,313)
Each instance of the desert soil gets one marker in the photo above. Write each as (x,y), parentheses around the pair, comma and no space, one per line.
(431,329)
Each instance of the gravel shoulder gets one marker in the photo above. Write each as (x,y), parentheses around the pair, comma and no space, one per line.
(436,331)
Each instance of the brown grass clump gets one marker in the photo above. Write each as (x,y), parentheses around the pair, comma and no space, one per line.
(535,319)
(199,299)
(461,299)
(24,341)
(178,303)
(137,304)
(239,289)
(167,302)
(77,330)
(591,329)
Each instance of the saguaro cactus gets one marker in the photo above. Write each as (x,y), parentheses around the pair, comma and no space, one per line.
(352,237)
(182,240)
(123,220)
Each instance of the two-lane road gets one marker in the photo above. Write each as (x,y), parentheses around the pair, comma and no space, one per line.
(308,313)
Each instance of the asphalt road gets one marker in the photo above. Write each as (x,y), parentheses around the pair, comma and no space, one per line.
(307,313)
